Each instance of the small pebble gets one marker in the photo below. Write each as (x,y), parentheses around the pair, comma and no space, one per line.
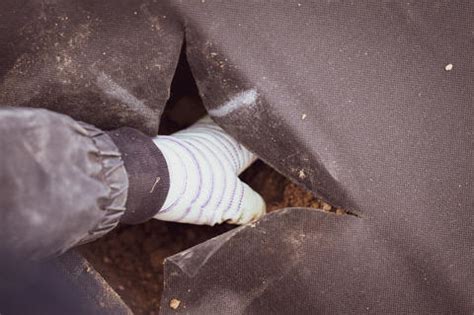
(174,303)
(303,117)
(326,206)
(448,67)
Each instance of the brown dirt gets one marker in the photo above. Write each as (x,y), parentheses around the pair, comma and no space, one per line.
(131,257)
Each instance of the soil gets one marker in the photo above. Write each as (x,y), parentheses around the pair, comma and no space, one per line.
(130,258)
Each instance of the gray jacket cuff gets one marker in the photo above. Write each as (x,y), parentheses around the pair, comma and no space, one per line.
(113,175)
(147,174)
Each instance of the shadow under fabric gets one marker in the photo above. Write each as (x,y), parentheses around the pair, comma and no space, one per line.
(368,105)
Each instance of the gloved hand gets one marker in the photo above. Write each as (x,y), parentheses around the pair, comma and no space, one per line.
(204,163)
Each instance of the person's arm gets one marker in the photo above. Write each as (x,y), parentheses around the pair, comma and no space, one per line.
(65,183)
(190,176)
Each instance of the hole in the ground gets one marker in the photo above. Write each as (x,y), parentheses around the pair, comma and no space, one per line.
(130,258)
(184,106)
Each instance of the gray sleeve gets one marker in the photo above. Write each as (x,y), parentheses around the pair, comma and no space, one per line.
(62,182)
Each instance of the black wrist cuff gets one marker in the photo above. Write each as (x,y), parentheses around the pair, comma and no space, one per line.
(147,174)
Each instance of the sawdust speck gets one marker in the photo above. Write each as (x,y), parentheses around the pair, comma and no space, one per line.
(301,174)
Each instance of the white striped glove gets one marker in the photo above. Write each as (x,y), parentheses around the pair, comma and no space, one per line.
(204,163)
